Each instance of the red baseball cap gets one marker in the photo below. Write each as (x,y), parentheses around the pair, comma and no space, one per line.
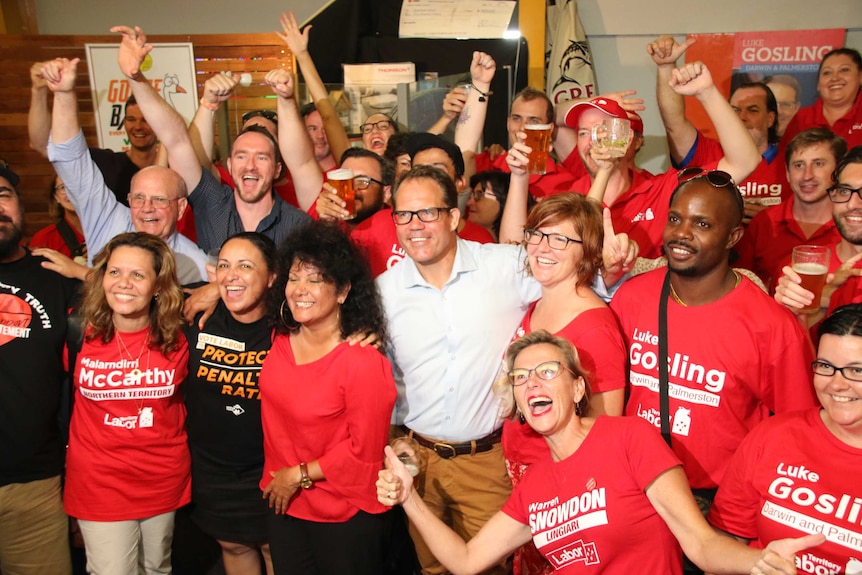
(609,107)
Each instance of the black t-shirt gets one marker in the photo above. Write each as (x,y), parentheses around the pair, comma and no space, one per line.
(34,303)
(117,169)
(222,394)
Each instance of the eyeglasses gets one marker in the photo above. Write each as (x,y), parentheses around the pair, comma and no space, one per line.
(547,370)
(787,105)
(479,193)
(404,217)
(841,194)
(826,369)
(270,115)
(555,241)
(716,178)
(159,202)
(61,187)
(381,125)
(362,182)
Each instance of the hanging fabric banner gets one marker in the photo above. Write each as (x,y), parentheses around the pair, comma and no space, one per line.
(568,60)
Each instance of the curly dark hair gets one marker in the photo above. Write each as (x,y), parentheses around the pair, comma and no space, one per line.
(327,248)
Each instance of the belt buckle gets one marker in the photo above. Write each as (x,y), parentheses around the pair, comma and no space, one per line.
(440,449)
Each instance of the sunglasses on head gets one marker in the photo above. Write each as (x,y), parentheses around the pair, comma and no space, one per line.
(716,178)
(270,115)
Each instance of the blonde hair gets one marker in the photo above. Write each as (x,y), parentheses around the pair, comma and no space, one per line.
(503,388)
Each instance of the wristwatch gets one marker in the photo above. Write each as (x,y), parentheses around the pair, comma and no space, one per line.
(306,481)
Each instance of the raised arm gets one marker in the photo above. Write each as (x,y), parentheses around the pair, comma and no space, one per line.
(168,125)
(293,140)
(496,539)
(297,41)
(681,134)
(217,89)
(713,552)
(453,105)
(740,154)
(515,211)
(39,116)
(60,75)
(471,122)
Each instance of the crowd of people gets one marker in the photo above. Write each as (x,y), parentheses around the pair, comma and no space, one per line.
(592,369)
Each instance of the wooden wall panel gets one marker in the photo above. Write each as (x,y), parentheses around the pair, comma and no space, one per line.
(254,53)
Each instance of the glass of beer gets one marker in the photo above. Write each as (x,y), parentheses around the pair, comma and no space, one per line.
(342,181)
(407,450)
(539,141)
(812,265)
(613,134)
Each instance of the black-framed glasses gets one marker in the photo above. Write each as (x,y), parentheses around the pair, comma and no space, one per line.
(826,369)
(381,125)
(841,194)
(555,241)
(270,115)
(362,182)
(404,217)
(159,202)
(546,370)
(716,178)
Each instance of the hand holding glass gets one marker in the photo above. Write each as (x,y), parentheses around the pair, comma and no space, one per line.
(539,141)
(613,134)
(812,265)
(342,181)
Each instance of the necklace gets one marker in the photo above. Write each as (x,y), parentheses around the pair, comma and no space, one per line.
(136,373)
(678,300)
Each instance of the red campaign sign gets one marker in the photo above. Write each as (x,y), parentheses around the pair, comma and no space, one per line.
(755,57)
(785,52)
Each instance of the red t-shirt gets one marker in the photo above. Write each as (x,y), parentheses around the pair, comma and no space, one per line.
(128,456)
(790,477)
(557,179)
(590,513)
(336,411)
(49,237)
(848,292)
(732,362)
(848,127)
(596,335)
(641,212)
(768,241)
(767,183)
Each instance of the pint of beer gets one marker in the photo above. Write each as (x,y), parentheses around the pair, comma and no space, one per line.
(812,265)
(539,140)
(342,181)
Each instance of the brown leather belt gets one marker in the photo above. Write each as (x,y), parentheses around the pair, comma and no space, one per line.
(449,450)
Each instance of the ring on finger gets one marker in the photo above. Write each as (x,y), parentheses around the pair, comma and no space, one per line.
(390,495)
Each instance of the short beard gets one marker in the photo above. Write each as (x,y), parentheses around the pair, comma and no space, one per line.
(10,244)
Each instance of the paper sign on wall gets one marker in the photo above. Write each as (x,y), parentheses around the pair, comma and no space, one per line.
(170,68)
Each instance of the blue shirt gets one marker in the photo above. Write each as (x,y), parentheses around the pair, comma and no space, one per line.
(103,217)
(217,219)
(448,344)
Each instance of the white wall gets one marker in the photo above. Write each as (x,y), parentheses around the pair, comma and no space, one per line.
(169,16)
(618,30)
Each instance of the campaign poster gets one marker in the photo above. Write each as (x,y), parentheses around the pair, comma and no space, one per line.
(790,58)
(170,68)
